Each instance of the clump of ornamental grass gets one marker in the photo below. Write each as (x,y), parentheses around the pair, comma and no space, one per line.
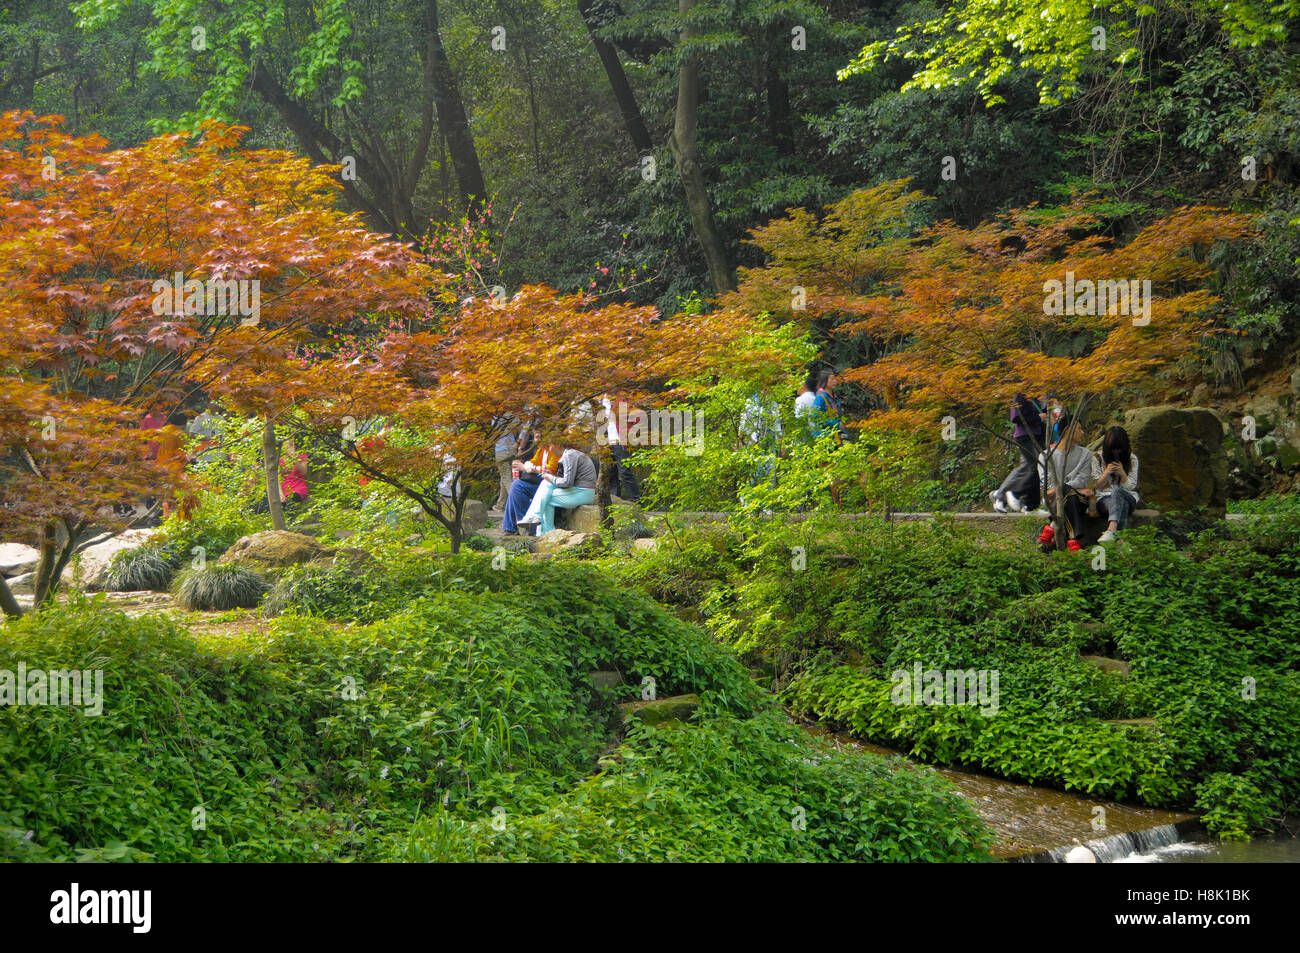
(133,570)
(219,587)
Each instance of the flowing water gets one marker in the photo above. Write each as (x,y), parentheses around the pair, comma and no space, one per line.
(1042,825)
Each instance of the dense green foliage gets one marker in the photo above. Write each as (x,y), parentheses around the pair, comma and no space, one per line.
(408,739)
(1210,632)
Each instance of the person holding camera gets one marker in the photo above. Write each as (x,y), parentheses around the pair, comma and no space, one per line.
(1115,480)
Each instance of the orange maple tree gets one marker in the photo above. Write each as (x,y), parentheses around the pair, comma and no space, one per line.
(132,278)
(448,395)
(969,316)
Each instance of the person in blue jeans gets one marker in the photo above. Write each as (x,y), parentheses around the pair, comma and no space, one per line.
(571,484)
(524,487)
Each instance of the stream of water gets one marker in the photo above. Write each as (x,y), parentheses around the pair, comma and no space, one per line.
(1042,825)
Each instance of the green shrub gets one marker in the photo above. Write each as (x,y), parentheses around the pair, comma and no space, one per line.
(219,587)
(145,567)
(1198,625)
(786,799)
(319,742)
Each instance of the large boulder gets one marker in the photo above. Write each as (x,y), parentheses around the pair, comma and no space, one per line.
(357,560)
(1183,464)
(17,559)
(565,541)
(473,517)
(90,565)
(273,549)
(581,519)
(675,708)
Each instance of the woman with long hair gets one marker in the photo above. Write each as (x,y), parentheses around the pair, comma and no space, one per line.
(1115,479)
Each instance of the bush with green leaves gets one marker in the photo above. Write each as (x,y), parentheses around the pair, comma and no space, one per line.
(1209,630)
(318,741)
(220,587)
(787,799)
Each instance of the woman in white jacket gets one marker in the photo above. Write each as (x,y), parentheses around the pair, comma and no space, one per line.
(1115,479)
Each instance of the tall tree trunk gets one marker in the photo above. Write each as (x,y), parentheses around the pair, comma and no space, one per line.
(452,119)
(622,89)
(682,143)
(46,579)
(779,123)
(271,463)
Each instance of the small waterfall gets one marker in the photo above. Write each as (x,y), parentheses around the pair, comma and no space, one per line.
(1116,847)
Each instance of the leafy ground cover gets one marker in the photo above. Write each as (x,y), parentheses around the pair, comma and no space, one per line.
(461,722)
(1209,632)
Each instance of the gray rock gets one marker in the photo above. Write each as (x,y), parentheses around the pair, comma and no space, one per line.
(473,517)
(23,583)
(90,566)
(675,708)
(584,519)
(606,679)
(1114,665)
(273,549)
(566,541)
(17,559)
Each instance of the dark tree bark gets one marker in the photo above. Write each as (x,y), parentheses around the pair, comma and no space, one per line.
(601,14)
(57,544)
(452,119)
(779,124)
(8,604)
(682,141)
(622,89)
(387,183)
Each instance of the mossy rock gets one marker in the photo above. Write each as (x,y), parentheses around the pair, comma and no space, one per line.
(1114,665)
(273,549)
(660,710)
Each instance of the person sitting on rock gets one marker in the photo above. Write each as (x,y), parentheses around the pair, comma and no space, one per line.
(1068,472)
(1115,480)
(524,486)
(571,484)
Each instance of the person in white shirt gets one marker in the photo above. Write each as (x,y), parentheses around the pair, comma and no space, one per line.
(618,414)
(803,403)
(1115,480)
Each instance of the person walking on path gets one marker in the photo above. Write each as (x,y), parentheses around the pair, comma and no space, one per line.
(1021,490)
